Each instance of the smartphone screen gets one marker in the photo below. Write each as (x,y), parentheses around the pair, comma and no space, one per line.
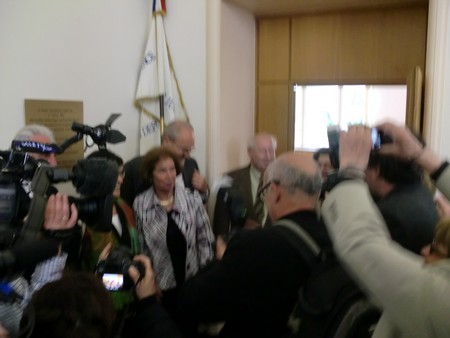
(113,281)
(376,139)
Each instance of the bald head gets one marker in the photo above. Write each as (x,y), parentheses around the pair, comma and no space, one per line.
(179,136)
(296,182)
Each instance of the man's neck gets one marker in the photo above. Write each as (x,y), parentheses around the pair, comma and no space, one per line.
(290,208)
(384,188)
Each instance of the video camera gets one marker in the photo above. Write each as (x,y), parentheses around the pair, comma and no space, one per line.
(14,167)
(94,180)
(114,269)
(233,205)
(333,132)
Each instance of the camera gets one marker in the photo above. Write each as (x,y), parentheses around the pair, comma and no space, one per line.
(114,269)
(14,167)
(378,139)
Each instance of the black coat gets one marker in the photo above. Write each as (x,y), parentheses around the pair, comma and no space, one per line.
(254,287)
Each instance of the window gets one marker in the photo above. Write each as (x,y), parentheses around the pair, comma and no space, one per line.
(317,107)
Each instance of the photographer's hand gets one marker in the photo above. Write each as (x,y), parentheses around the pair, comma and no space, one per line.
(354,147)
(144,286)
(58,214)
(406,146)
(199,182)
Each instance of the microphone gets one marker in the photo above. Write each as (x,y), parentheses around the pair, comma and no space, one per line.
(95,177)
(233,200)
(100,134)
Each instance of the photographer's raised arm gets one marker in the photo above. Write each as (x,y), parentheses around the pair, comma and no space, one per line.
(395,278)
(406,146)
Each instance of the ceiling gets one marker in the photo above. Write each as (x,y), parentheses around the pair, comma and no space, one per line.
(279,7)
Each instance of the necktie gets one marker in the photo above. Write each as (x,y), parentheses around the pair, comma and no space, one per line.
(258,207)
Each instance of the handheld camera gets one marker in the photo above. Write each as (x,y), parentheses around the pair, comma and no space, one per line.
(114,269)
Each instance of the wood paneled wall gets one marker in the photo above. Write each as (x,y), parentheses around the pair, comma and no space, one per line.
(379,46)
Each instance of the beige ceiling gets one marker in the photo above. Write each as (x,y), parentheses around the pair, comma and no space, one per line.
(278,7)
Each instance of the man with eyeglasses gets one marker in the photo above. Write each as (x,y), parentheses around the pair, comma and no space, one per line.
(254,287)
(412,295)
(179,136)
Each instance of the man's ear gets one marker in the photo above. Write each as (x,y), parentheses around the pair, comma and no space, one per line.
(276,192)
(377,170)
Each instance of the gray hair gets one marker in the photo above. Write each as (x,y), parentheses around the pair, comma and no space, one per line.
(31,130)
(292,178)
(172,130)
(251,143)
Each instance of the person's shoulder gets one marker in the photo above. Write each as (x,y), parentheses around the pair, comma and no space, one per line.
(133,162)
(147,194)
(191,163)
(187,197)
(239,171)
(260,238)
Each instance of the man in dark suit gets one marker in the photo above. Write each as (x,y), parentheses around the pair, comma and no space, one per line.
(405,202)
(179,136)
(254,287)
(237,206)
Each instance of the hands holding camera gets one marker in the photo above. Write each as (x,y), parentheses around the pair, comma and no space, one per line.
(356,144)
(354,147)
(145,284)
(59,215)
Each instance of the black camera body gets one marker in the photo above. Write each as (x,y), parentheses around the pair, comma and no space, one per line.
(15,166)
(114,269)
(333,132)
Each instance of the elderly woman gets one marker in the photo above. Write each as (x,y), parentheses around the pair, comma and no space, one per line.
(173,225)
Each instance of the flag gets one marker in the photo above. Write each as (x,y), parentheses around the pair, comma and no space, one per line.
(157,95)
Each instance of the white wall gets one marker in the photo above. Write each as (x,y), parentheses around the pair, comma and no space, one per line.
(437,78)
(231,85)
(91,50)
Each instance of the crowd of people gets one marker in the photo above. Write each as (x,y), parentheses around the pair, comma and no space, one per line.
(179,274)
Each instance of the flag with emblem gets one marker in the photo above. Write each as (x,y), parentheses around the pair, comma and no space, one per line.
(158,95)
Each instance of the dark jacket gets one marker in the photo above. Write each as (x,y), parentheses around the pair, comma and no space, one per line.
(150,321)
(242,187)
(254,287)
(410,215)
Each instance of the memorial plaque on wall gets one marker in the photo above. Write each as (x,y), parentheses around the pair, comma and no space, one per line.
(58,116)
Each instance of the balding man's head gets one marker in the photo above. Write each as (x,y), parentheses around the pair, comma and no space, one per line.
(179,136)
(294,182)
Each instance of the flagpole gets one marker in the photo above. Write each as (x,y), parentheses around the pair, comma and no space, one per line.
(161,117)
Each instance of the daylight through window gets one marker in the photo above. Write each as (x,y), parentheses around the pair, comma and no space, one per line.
(317,107)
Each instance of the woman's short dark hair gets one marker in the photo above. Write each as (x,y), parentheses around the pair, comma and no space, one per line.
(151,159)
(77,305)
(108,155)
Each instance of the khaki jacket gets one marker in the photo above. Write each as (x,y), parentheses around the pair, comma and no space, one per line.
(415,298)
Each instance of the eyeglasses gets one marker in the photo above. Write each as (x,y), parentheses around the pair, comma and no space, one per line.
(436,250)
(185,150)
(262,192)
